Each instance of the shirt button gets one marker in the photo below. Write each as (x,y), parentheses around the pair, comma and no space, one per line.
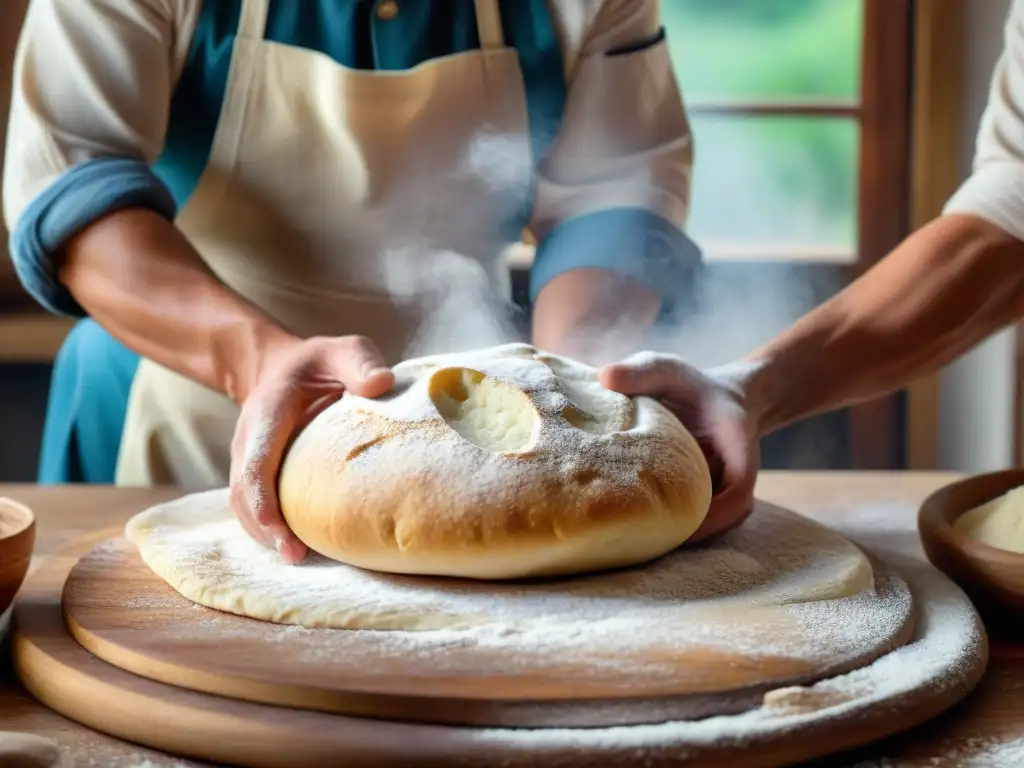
(387,10)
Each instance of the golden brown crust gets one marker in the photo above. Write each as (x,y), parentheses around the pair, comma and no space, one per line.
(405,489)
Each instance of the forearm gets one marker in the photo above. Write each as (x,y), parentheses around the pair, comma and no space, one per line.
(139,277)
(945,289)
(594,315)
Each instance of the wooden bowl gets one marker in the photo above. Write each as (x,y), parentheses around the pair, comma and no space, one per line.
(993,578)
(17,539)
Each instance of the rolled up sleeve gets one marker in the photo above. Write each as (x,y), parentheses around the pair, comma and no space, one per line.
(995,189)
(614,189)
(89,108)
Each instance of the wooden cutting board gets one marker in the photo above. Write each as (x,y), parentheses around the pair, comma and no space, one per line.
(76,683)
(116,607)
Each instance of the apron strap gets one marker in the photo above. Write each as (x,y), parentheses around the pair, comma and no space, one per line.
(252,21)
(488,24)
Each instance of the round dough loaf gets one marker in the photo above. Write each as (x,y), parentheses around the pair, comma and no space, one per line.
(502,463)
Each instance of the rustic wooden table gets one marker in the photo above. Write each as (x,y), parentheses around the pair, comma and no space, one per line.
(987,729)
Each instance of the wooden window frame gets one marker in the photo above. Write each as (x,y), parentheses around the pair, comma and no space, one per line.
(876,428)
(883,113)
(937,87)
(910,108)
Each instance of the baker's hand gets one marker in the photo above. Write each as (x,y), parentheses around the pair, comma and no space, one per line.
(710,405)
(294,384)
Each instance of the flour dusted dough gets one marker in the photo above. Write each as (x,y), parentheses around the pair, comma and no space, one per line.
(998,523)
(498,463)
(776,558)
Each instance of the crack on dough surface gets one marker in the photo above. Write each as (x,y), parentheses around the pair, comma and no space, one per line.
(488,413)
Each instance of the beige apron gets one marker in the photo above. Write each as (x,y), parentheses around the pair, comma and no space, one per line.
(329,196)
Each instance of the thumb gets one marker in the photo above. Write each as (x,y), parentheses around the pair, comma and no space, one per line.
(359,365)
(646,373)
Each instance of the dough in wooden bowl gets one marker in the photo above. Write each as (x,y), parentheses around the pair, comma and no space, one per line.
(997,523)
(495,464)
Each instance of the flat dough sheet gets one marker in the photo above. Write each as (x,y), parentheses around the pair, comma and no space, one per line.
(777,558)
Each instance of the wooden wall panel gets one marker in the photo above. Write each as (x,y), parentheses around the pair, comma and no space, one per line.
(11,14)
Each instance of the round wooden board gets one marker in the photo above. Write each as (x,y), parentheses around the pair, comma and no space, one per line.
(79,685)
(116,607)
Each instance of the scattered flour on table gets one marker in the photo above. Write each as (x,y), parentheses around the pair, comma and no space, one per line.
(949,637)
(109,761)
(973,753)
(87,749)
(942,657)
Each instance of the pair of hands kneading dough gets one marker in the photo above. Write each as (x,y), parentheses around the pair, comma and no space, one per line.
(494,464)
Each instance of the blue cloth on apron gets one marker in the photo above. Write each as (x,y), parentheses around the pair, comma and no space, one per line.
(93,373)
(92,376)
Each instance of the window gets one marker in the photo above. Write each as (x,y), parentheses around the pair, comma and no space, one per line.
(799,111)
(773,92)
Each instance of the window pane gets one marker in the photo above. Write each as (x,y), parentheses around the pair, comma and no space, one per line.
(764,49)
(765,182)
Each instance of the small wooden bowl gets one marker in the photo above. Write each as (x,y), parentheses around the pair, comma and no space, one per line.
(993,578)
(17,540)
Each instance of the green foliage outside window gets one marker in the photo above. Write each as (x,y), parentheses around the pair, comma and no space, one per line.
(770,179)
